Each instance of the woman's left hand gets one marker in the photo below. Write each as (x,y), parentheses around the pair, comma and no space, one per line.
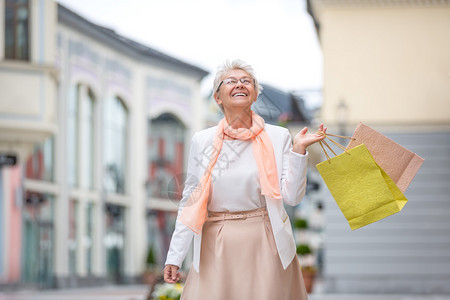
(303,139)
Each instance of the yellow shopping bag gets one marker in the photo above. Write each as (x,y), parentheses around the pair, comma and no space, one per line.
(362,190)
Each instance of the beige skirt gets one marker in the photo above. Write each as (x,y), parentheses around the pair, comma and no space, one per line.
(239,260)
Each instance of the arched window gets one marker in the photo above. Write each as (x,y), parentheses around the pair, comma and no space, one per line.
(80,137)
(72,136)
(166,153)
(115,145)
(87,130)
(166,144)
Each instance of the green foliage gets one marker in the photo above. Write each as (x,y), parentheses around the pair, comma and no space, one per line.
(303,249)
(151,260)
(300,223)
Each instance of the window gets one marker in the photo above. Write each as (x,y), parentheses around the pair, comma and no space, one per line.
(40,163)
(89,237)
(17,44)
(114,242)
(80,137)
(166,154)
(72,136)
(72,238)
(38,239)
(116,128)
(87,138)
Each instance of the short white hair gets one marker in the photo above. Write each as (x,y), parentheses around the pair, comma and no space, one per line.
(236,64)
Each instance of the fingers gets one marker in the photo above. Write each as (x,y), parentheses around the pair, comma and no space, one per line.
(303,140)
(322,128)
(171,274)
(175,274)
(167,274)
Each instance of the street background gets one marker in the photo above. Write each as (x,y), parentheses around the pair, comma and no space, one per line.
(99,101)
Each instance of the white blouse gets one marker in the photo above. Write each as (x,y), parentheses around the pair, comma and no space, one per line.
(291,170)
(235,160)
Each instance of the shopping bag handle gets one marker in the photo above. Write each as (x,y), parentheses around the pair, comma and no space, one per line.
(327,136)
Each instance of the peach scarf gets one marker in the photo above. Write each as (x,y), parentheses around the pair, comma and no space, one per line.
(195,212)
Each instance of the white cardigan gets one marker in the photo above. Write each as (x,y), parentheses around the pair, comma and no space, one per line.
(291,169)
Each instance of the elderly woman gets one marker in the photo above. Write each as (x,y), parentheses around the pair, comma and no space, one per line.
(240,173)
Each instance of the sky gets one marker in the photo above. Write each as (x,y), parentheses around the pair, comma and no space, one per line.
(276,37)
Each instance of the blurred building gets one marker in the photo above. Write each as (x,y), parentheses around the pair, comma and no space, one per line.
(281,108)
(387,64)
(94,128)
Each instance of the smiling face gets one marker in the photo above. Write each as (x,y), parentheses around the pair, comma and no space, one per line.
(238,96)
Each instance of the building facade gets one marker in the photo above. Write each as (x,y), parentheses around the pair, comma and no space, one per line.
(28,116)
(99,125)
(386,64)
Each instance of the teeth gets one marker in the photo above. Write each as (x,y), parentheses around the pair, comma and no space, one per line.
(240,94)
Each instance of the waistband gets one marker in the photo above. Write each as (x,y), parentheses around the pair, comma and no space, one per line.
(239,215)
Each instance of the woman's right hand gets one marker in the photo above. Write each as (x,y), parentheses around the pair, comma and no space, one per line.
(171,274)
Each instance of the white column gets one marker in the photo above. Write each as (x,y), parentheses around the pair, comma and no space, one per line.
(98,255)
(136,234)
(61,201)
(79,217)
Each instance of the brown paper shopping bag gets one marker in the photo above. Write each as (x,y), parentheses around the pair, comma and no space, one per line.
(361,189)
(398,162)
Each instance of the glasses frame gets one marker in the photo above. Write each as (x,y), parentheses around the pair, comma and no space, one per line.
(240,79)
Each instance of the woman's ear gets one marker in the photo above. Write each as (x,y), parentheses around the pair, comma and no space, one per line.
(216,97)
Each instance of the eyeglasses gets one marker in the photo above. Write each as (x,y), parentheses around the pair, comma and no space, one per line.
(233,82)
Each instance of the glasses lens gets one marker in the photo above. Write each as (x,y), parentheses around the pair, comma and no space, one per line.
(246,81)
(230,81)
(234,81)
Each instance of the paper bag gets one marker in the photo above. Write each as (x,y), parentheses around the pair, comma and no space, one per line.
(362,190)
(398,162)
